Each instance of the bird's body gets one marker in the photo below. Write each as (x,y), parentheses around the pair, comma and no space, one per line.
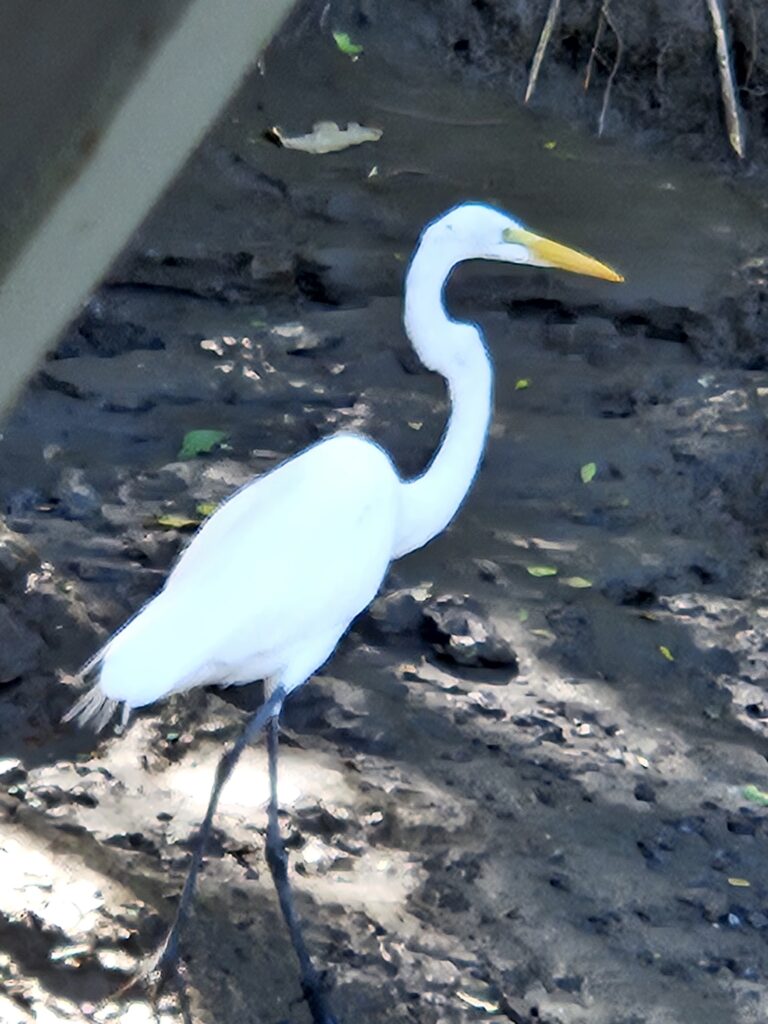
(274,578)
(238,606)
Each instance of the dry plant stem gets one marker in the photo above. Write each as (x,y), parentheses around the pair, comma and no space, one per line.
(593,52)
(727,86)
(538,57)
(605,15)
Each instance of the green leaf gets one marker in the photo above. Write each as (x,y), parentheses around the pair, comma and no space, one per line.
(200,442)
(541,570)
(523,614)
(757,796)
(522,384)
(206,508)
(346,45)
(176,521)
(577,582)
(587,472)
(666,652)
(550,144)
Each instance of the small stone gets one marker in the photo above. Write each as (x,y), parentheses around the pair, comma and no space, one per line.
(11,771)
(488,570)
(78,500)
(116,960)
(399,611)
(645,792)
(459,631)
(318,856)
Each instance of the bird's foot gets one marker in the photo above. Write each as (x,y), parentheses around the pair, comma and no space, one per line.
(158,970)
(315,987)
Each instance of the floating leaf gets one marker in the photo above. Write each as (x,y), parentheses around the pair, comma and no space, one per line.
(327,137)
(541,570)
(666,652)
(739,883)
(522,384)
(587,472)
(200,442)
(345,44)
(206,508)
(550,145)
(176,521)
(577,582)
(757,796)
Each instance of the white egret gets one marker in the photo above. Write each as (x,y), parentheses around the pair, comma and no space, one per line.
(274,578)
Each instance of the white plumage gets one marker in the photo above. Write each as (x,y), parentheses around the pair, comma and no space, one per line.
(274,578)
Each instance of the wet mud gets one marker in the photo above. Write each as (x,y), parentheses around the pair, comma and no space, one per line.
(530,785)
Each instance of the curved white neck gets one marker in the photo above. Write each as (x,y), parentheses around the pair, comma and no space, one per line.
(456,350)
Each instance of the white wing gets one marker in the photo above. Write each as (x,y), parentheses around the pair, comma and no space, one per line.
(271,580)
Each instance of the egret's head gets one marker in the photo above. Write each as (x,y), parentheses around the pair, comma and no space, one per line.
(478,231)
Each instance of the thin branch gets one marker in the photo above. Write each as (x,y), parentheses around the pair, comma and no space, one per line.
(594,51)
(727,85)
(605,14)
(538,57)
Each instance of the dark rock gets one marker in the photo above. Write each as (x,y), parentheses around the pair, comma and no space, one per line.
(458,630)
(400,611)
(742,826)
(12,772)
(20,648)
(231,276)
(488,570)
(645,792)
(94,336)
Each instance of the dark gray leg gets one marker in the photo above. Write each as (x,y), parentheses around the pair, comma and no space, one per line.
(311,981)
(167,958)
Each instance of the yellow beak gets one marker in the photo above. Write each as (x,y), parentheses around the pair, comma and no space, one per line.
(547,253)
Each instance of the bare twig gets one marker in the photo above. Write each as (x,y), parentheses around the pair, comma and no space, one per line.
(594,51)
(727,85)
(538,57)
(605,15)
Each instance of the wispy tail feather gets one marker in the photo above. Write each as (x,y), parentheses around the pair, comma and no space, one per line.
(93,705)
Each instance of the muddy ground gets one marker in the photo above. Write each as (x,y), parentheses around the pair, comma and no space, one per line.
(567,834)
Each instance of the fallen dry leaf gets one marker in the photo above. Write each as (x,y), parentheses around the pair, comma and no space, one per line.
(328,137)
